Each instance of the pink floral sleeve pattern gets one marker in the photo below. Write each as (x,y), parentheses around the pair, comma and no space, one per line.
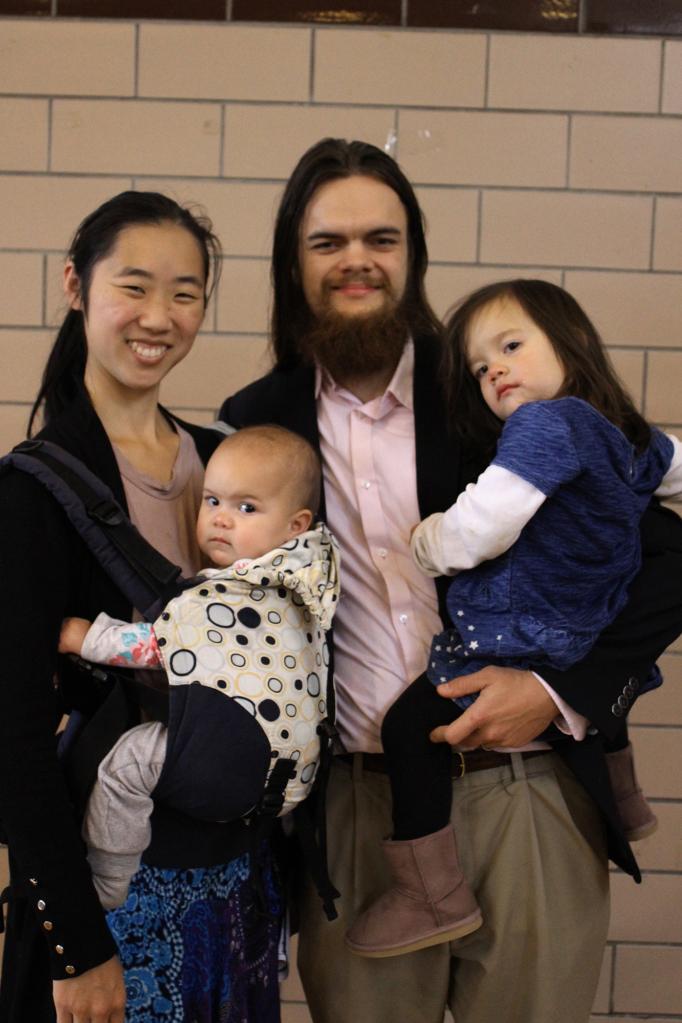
(138,647)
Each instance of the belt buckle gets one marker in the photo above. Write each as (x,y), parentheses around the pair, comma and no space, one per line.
(461,765)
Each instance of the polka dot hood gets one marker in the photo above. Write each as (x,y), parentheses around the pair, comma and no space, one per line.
(254,633)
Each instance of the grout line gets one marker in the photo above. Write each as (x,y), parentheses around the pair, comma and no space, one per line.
(311,67)
(486,72)
(569,143)
(50,113)
(221,158)
(136,60)
(612,978)
(43,311)
(479,225)
(396,135)
(436,108)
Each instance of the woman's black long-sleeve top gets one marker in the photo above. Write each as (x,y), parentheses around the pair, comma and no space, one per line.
(56,926)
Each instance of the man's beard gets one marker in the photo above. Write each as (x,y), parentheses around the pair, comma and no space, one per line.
(356,346)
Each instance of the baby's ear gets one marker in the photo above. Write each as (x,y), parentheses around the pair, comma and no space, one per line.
(301,521)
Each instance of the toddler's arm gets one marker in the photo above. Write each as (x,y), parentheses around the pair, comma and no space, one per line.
(485,520)
(109,641)
(671,485)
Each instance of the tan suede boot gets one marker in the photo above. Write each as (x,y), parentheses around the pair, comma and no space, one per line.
(638,819)
(429,901)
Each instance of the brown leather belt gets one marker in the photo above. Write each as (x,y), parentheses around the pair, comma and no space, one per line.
(462,763)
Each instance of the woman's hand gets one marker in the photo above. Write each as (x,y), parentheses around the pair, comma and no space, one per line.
(512,709)
(97,996)
(72,636)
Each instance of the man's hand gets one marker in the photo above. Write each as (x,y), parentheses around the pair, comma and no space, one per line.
(97,996)
(513,708)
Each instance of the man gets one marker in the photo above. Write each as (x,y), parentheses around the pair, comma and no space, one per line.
(357,372)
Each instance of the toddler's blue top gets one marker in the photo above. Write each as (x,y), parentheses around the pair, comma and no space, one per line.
(566,577)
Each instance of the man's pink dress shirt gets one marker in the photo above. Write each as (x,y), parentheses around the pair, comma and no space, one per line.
(388,612)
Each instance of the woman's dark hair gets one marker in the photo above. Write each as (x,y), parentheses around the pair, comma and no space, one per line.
(326,161)
(93,241)
(589,373)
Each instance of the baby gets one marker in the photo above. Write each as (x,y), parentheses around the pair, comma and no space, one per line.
(251,628)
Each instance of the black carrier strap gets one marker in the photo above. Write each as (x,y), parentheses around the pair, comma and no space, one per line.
(4,901)
(311,815)
(311,837)
(143,575)
(261,820)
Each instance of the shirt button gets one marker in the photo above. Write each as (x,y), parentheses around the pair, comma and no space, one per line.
(366,485)
(59,949)
(41,904)
(382,552)
(403,619)
(48,925)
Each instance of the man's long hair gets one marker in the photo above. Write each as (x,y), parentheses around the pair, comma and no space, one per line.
(329,160)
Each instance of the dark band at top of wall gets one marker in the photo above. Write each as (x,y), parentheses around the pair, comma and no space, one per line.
(605,17)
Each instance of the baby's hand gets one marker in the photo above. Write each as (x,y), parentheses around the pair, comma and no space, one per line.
(72,636)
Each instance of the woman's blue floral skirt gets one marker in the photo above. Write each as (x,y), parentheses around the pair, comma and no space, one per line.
(196,946)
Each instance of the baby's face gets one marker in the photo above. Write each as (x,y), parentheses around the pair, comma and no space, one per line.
(245,508)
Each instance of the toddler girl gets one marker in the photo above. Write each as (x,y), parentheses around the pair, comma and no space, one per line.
(546,543)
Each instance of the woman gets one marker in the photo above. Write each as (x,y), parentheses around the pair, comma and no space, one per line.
(190,944)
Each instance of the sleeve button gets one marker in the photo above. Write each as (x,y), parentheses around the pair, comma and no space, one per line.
(70,969)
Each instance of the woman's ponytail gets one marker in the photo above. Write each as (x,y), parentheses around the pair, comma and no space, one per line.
(63,375)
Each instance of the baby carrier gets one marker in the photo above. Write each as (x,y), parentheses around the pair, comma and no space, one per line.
(246,750)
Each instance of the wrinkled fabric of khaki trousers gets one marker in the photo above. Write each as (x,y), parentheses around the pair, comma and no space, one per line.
(532,847)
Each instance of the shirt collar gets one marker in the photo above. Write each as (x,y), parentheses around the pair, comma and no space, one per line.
(399,389)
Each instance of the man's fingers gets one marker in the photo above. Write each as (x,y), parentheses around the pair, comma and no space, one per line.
(459,732)
(466,685)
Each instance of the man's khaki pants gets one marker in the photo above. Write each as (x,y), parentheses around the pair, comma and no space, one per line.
(532,847)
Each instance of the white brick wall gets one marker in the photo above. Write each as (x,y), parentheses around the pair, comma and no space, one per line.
(532,154)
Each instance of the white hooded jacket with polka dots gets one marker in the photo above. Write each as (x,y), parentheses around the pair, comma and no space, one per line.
(255,633)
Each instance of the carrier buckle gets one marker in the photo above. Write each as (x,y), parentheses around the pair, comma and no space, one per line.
(106,512)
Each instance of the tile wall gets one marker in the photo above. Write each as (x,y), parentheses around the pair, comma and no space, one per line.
(555,153)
